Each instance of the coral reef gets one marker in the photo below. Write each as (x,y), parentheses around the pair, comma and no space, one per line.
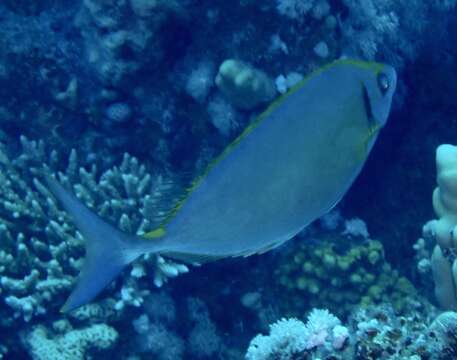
(292,339)
(171,332)
(244,86)
(340,268)
(72,345)
(139,77)
(376,332)
(367,38)
(109,34)
(41,250)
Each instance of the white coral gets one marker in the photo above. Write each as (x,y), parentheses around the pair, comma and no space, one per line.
(34,229)
(290,337)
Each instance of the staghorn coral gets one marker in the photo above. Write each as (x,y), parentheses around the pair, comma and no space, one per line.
(41,250)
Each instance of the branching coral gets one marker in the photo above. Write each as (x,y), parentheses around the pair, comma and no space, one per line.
(373,332)
(293,339)
(73,345)
(42,252)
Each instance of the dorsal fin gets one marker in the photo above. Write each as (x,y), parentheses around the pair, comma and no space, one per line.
(167,193)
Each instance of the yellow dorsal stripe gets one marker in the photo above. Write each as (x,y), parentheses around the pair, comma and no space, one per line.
(154,234)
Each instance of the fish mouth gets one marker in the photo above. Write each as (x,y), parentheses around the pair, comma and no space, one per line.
(373,132)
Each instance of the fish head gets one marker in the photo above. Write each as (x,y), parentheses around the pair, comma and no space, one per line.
(378,82)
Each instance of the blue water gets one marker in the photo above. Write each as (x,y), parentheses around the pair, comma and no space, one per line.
(83,83)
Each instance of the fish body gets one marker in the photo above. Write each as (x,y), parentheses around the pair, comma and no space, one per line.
(288,168)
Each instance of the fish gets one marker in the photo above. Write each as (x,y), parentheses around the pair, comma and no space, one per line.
(289,167)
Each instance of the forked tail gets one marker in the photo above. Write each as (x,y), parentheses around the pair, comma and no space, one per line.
(108,250)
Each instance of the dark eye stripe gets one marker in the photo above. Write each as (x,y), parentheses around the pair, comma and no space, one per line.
(367,103)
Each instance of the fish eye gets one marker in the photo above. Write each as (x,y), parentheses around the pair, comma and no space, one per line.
(383,82)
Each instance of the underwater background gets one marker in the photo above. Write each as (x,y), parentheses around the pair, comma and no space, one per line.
(121,98)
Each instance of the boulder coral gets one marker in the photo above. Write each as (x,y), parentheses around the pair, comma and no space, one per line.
(444,229)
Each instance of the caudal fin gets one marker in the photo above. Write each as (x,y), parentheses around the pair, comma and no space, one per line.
(108,250)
